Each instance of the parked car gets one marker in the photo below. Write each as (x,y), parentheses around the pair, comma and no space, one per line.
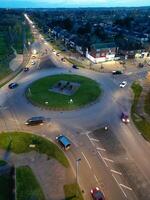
(12,85)
(75,67)
(97,194)
(63,141)
(125,118)
(116,72)
(35,121)
(26,69)
(123,84)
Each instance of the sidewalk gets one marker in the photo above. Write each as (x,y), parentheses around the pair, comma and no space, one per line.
(49,172)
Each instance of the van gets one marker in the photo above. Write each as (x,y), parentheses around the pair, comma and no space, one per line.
(35,121)
(63,141)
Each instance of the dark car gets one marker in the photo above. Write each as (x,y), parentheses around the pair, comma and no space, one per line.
(125,118)
(63,59)
(75,67)
(64,141)
(97,194)
(35,121)
(26,69)
(116,72)
(12,85)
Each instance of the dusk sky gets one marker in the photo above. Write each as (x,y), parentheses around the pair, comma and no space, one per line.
(72,3)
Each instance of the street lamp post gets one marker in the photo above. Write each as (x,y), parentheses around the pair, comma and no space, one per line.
(77,172)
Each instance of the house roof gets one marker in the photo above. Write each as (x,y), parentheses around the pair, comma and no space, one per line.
(103,45)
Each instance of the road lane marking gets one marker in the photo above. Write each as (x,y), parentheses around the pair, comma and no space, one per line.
(90,140)
(119,186)
(101,149)
(86,160)
(96,179)
(108,159)
(122,185)
(102,159)
(93,139)
(116,172)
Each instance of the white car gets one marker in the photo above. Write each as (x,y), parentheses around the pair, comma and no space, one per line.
(123,84)
(33,63)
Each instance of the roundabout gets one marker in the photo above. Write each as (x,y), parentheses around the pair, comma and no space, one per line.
(63,92)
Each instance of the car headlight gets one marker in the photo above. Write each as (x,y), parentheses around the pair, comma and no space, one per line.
(123,120)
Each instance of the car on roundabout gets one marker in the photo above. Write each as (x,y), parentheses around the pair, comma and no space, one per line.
(12,85)
(123,84)
(117,72)
(97,194)
(125,118)
(26,69)
(63,141)
(75,67)
(35,121)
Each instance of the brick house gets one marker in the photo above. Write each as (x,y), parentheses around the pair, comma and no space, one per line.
(101,52)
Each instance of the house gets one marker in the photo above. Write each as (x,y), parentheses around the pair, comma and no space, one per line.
(101,52)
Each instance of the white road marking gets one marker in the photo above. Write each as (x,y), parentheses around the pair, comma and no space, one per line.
(108,159)
(86,160)
(103,159)
(101,149)
(93,139)
(119,186)
(96,179)
(90,140)
(126,187)
(116,172)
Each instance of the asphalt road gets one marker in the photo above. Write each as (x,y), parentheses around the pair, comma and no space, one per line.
(117,161)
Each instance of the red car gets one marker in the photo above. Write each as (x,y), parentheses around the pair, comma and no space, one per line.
(125,118)
(97,194)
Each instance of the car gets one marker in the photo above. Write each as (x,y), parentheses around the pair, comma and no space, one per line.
(12,85)
(63,141)
(123,84)
(35,121)
(63,59)
(57,54)
(116,72)
(75,67)
(125,118)
(32,62)
(33,57)
(97,194)
(122,62)
(26,69)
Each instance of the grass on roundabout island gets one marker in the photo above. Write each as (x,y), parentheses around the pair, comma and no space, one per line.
(27,185)
(39,92)
(19,142)
(142,124)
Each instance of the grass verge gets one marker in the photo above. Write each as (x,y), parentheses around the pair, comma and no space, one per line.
(27,185)
(72,192)
(2,163)
(5,187)
(39,93)
(142,124)
(147,103)
(19,142)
